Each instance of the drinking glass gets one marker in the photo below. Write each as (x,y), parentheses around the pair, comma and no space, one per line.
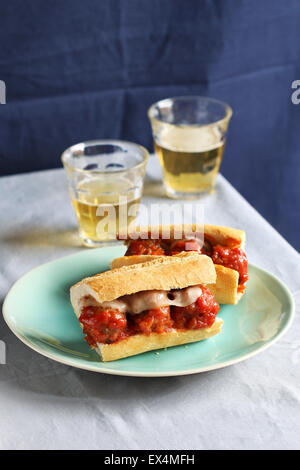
(105,183)
(189,135)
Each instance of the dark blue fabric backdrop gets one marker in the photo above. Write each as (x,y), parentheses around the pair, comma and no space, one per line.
(78,70)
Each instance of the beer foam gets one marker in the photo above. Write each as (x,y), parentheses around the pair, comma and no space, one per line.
(190,138)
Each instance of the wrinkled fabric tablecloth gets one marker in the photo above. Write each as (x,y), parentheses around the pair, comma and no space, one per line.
(47,405)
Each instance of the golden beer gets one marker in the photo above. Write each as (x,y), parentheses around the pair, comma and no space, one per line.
(189,135)
(106,180)
(190,159)
(190,172)
(102,211)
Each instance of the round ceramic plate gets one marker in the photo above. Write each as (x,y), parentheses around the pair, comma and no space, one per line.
(38,310)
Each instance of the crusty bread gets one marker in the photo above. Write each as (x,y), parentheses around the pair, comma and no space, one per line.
(138,344)
(225,289)
(136,259)
(216,234)
(226,236)
(162,273)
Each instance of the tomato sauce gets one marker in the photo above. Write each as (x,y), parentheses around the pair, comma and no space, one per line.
(156,320)
(110,326)
(200,314)
(103,326)
(233,258)
(145,247)
(184,245)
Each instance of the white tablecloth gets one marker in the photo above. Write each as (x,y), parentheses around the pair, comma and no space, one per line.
(46,405)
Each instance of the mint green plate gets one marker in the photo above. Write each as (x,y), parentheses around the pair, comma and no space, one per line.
(37,309)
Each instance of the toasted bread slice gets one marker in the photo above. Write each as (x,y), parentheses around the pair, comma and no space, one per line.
(162,273)
(138,344)
(225,289)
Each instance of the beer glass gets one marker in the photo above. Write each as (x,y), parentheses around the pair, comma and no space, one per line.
(189,135)
(105,183)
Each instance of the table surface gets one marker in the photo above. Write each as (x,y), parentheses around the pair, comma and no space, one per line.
(46,405)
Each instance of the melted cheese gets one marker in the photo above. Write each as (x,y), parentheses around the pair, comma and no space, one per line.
(146,300)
